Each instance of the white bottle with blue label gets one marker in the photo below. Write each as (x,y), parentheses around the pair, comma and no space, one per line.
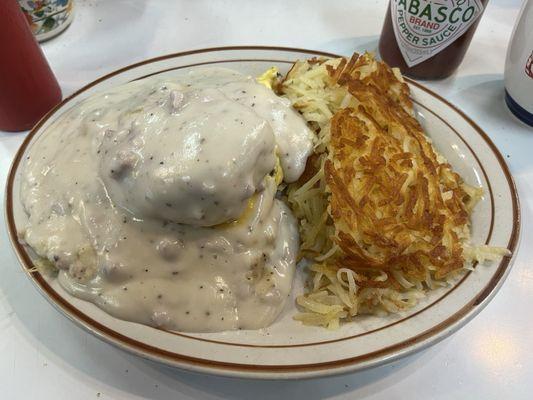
(519,66)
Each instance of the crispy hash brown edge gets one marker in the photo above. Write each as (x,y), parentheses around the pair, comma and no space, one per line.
(385,218)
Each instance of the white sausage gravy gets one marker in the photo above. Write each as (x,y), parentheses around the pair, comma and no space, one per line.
(156,200)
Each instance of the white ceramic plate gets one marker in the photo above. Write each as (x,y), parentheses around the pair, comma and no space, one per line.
(288,349)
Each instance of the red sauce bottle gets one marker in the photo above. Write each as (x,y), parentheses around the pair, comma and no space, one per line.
(28,88)
(427,39)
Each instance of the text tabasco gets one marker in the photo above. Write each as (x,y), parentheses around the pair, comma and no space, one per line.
(427,39)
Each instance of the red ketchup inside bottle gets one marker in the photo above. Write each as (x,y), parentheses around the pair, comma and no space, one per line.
(28,88)
(427,39)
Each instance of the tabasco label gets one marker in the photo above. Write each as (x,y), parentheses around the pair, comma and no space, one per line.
(425,27)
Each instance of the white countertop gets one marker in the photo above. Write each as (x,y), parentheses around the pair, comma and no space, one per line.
(45,356)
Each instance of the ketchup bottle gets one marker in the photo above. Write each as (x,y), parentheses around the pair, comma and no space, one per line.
(427,39)
(28,88)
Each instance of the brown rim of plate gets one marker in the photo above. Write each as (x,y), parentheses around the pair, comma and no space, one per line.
(182,360)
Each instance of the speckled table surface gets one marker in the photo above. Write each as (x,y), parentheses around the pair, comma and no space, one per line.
(45,356)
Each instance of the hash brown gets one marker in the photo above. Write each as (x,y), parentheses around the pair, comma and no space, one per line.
(383,217)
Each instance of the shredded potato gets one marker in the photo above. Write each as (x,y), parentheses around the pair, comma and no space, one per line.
(382,215)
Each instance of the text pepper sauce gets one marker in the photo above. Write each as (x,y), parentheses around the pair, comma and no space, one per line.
(427,39)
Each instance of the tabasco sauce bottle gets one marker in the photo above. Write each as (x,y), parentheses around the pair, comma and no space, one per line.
(427,39)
